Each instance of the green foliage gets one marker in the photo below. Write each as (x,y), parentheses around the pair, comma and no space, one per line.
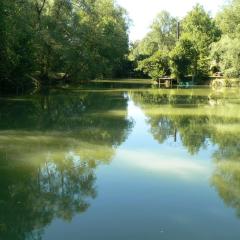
(43,38)
(162,36)
(229,19)
(201,29)
(184,59)
(16,52)
(151,55)
(155,66)
(163,32)
(188,56)
(225,53)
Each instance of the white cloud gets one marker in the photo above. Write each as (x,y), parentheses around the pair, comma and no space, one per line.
(142,12)
(168,165)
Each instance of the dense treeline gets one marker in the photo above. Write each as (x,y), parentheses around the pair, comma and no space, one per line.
(194,47)
(43,40)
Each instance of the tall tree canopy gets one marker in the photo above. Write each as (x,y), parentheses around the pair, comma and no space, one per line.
(46,39)
(189,53)
(162,36)
(201,30)
(225,53)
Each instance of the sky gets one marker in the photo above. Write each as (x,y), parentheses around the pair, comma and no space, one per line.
(142,12)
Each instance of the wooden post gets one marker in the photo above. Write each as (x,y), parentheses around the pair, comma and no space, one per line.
(175,135)
(178,30)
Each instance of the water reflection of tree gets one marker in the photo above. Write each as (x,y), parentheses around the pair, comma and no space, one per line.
(186,114)
(226,177)
(165,116)
(31,197)
(50,147)
(197,120)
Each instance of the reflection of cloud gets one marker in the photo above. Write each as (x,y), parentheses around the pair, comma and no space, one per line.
(167,165)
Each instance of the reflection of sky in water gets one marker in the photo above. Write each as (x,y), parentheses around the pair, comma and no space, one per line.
(142,151)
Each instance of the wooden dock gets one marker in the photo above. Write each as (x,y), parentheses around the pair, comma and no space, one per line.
(167,81)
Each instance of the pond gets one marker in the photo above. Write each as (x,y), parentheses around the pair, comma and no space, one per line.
(120,160)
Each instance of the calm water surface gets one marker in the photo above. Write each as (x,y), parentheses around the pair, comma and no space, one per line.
(120,160)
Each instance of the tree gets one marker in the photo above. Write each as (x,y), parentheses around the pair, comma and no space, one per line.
(162,36)
(190,55)
(155,66)
(225,53)
(184,58)
(47,40)
(17,44)
(163,33)
(201,29)
(228,19)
